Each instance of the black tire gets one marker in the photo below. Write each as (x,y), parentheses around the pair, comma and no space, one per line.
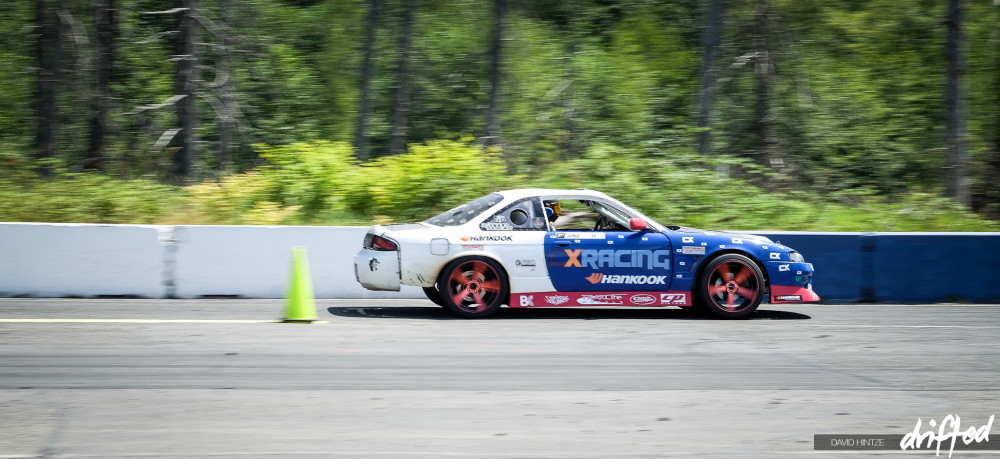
(731,286)
(473,287)
(434,295)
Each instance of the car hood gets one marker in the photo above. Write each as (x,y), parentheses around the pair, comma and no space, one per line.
(722,234)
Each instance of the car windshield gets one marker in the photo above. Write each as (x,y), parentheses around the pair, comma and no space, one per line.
(465,212)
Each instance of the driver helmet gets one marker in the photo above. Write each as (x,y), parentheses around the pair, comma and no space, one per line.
(552,209)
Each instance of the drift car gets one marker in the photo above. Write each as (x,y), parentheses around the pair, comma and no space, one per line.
(530,248)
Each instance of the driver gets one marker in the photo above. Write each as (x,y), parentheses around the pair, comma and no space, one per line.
(552,209)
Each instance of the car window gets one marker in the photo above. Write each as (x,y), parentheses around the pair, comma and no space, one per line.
(614,213)
(523,215)
(465,212)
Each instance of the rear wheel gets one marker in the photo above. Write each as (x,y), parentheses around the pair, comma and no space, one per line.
(473,287)
(434,295)
(731,287)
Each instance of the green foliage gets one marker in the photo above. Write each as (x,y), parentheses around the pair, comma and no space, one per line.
(679,191)
(596,93)
(319,183)
(83,198)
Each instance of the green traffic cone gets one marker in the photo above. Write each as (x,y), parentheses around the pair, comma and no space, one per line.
(301,303)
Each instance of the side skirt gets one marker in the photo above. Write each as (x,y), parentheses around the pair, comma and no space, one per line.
(575,299)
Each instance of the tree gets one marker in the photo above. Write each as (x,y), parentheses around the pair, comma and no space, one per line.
(402,103)
(223,85)
(48,55)
(365,82)
(770,152)
(957,186)
(496,50)
(184,89)
(105,34)
(710,39)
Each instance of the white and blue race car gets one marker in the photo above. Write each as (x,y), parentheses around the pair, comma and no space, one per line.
(548,248)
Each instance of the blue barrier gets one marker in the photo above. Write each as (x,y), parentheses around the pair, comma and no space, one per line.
(901,267)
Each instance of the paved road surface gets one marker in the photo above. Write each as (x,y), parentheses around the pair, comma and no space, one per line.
(396,379)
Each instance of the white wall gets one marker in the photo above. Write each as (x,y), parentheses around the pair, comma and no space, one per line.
(55,260)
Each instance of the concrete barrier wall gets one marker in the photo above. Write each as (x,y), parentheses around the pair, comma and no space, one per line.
(901,267)
(56,260)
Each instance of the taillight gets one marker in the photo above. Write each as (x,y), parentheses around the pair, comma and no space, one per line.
(383,244)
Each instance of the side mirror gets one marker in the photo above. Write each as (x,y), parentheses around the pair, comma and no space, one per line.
(637,224)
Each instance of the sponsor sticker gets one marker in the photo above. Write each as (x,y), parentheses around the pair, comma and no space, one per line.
(601,299)
(472,247)
(642,299)
(775,256)
(784,268)
(673,299)
(692,250)
(625,279)
(487,239)
(587,235)
(497,226)
(687,240)
(609,258)
(525,263)
(527,301)
(788,298)
(556,300)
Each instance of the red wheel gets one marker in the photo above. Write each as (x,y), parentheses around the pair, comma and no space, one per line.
(473,287)
(732,286)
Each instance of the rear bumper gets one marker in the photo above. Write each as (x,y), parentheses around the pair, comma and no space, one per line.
(377,270)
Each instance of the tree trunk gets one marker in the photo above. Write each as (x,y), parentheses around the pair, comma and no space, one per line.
(402,104)
(105,36)
(769,152)
(364,85)
(496,50)
(954,100)
(184,85)
(226,118)
(570,145)
(48,55)
(993,176)
(709,41)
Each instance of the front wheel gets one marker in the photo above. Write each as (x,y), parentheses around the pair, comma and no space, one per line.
(731,287)
(473,287)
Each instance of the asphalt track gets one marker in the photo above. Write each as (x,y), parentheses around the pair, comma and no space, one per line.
(392,378)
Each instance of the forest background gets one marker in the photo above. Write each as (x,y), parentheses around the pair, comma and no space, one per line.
(833,115)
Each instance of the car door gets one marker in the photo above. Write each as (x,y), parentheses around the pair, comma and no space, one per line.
(608,261)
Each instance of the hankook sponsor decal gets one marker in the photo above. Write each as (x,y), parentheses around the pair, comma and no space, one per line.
(487,239)
(625,279)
